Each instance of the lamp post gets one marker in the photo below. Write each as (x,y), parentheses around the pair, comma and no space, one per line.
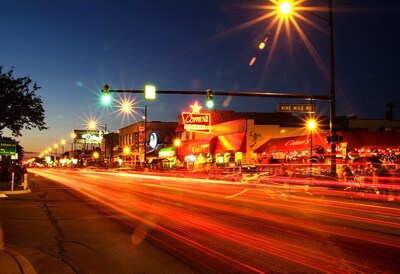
(126,151)
(285,9)
(55,147)
(144,111)
(332,130)
(63,144)
(73,136)
(177,144)
(144,136)
(93,125)
(311,125)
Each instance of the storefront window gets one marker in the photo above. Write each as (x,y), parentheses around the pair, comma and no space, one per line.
(239,158)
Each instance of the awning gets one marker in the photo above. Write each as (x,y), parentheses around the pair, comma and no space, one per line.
(166,152)
(198,146)
(294,143)
(231,142)
(378,139)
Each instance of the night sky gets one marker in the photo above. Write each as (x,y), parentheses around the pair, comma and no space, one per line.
(72,48)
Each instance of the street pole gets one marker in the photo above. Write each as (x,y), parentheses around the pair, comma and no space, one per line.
(144,136)
(332,93)
(311,151)
(105,142)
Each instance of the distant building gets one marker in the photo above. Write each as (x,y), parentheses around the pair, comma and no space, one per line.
(131,139)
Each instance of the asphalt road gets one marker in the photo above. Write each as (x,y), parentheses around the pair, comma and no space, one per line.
(60,231)
(102,222)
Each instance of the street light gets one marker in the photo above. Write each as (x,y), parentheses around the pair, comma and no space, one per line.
(63,144)
(177,144)
(93,125)
(55,147)
(127,107)
(73,136)
(285,9)
(311,125)
(126,151)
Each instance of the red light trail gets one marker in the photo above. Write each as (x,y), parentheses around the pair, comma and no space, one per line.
(247,227)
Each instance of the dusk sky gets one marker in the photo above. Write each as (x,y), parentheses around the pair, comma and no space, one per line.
(72,48)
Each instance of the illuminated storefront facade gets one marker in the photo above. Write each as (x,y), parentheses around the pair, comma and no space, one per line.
(232,138)
(132,140)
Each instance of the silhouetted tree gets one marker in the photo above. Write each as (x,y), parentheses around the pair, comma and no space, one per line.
(20,107)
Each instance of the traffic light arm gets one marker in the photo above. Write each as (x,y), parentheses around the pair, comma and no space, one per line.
(232,93)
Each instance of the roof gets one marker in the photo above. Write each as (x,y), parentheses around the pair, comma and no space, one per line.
(376,139)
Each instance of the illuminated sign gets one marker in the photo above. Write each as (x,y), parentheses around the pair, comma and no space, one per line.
(305,108)
(153,140)
(297,142)
(87,136)
(7,148)
(196,121)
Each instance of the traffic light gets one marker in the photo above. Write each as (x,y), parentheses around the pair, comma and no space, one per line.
(149,92)
(106,96)
(209,98)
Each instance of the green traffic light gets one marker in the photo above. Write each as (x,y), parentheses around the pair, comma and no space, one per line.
(209,98)
(106,99)
(210,103)
(106,96)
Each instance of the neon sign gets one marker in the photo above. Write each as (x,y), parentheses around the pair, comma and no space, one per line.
(87,136)
(196,121)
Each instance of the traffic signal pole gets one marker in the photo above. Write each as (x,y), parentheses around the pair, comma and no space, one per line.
(231,93)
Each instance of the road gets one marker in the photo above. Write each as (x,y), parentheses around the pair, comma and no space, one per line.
(194,225)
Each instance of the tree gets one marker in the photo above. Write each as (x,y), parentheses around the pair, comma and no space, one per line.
(20,107)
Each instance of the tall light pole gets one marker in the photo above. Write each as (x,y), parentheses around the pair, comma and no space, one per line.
(63,144)
(285,9)
(144,136)
(55,147)
(149,92)
(93,125)
(73,136)
(311,125)
(332,115)
(177,144)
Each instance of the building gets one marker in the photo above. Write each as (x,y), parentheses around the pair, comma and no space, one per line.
(140,138)
(232,138)
(110,147)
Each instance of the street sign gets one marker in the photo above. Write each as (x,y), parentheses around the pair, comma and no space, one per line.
(305,108)
(7,148)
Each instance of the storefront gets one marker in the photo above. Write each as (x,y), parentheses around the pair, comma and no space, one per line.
(364,148)
(197,153)
(230,149)
(295,149)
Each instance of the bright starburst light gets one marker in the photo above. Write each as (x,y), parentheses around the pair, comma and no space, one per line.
(285,7)
(288,17)
(127,108)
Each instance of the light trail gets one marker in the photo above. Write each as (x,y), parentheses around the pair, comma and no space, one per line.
(242,228)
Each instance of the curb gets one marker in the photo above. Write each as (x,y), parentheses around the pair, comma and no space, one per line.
(13,262)
(9,192)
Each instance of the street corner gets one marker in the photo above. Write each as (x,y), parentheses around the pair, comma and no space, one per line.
(12,261)
(6,193)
